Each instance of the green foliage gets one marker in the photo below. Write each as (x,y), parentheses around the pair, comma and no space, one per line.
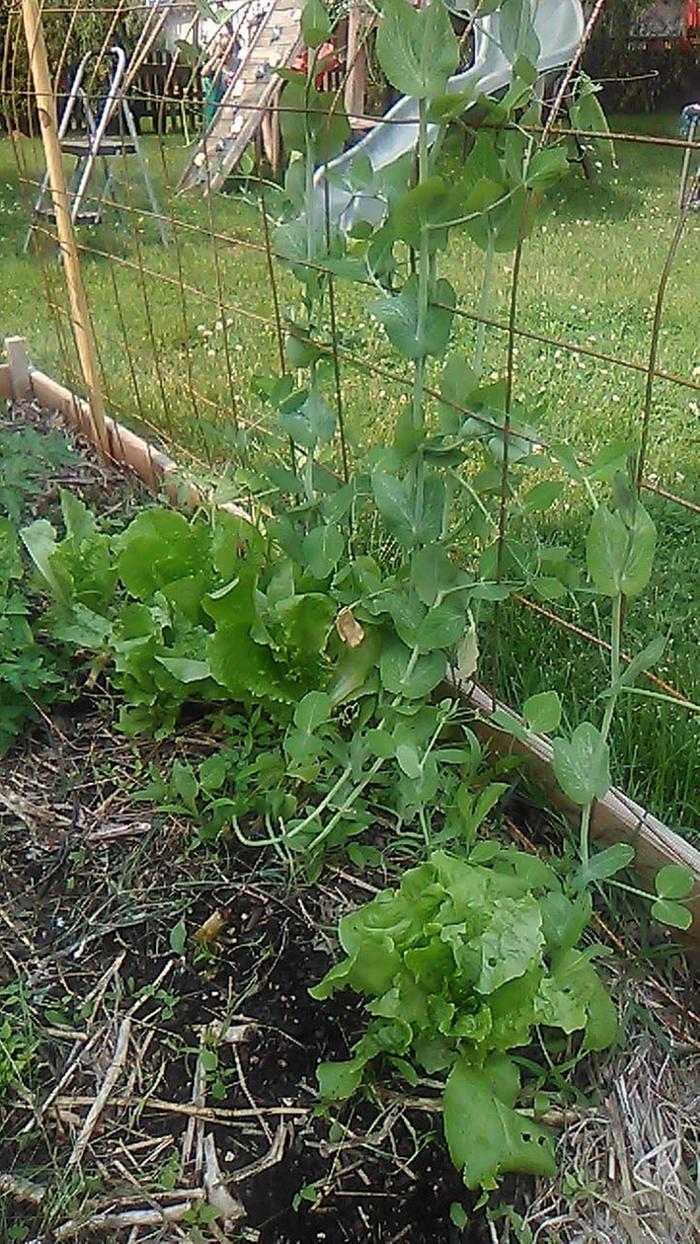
(460,964)
(244,779)
(28,671)
(181,610)
(17,1044)
(620,549)
(26,462)
(417,48)
(581,765)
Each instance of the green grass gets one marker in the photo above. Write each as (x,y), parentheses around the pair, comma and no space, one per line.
(590,275)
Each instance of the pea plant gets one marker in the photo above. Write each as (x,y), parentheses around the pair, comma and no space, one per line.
(401,631)
(620,547)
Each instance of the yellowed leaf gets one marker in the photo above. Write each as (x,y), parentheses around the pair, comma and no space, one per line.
(211,930)
(349,628)
(468,654)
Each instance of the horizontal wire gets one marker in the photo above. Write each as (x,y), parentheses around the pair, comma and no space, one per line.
(603,644)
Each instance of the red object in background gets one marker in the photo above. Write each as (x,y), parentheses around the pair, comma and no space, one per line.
(692,16)
(328,58)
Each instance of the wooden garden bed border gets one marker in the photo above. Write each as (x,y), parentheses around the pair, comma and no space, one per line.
(616,817)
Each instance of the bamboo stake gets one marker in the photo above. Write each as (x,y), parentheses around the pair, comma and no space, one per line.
(80,316)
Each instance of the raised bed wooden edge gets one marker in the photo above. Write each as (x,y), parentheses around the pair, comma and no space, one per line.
(616,817)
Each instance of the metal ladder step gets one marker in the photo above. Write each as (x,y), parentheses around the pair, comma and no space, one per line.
(108,147)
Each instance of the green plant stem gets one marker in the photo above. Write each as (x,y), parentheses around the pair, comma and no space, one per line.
(615,643)
(347,773)
(423,271)
(688,705)
(424,275)
(464,483)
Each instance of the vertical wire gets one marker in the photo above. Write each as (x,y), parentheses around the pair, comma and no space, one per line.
(220,297)
(334,338)
(175,234)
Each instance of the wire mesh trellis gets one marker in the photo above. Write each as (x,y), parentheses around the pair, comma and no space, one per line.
(183,333)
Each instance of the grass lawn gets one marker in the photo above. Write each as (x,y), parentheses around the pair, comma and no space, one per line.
(180,344)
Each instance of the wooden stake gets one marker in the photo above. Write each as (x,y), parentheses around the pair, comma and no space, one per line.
(356,61)
(20,383)
(272,137)
(80,316)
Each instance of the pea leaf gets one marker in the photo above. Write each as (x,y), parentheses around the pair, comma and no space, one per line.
(542,495)
(312,711)
(605,864)
(442,626)
(674,914)
(457,383)
(322,549)
(606,547)
(432,573)
(644,660)
(517,31)
(394,500)
(468,654)
(640,556)
(398,313)
(315,23)
(674,881)
(582,766)
(416,682)
(542,712)
(546,168)
(620,558)
(304,110)
(425,211)
(409,760)
(417,48)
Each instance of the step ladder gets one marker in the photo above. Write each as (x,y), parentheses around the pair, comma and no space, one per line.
(95,150)
(250,93)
